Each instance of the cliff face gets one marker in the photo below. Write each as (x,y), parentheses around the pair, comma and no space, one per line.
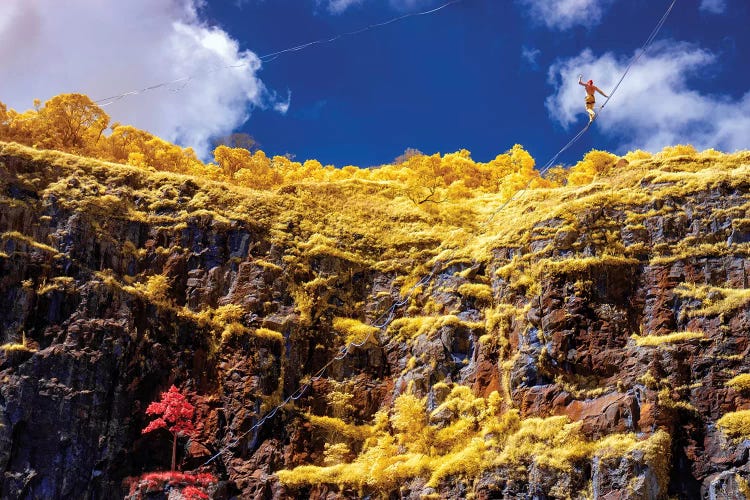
(579,342)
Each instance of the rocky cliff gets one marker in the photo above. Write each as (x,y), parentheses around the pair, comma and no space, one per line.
(579,342)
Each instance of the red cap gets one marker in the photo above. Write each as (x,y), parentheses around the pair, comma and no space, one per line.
(591,82)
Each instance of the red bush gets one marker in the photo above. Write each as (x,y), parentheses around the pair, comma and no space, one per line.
(192,486)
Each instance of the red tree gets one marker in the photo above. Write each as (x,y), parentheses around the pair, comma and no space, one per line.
(176,415)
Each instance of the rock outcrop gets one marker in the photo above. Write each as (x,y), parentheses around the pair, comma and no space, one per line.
(616,311)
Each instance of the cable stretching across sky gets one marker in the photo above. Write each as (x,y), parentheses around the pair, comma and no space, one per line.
(273,55)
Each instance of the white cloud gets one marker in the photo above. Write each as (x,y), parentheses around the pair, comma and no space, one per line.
(714,6)
(410,5)
(530,55)
(655,106)
(104,48)
(283,106)
(565,14)
(339,6)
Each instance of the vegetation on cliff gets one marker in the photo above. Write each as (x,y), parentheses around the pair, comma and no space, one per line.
(290,261)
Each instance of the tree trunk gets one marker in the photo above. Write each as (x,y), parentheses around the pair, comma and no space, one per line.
(174,451)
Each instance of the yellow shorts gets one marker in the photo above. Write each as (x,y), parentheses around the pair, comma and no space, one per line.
(590,99)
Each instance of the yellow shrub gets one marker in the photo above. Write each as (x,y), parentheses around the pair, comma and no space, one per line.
(472,436)
(478,291)
(637,155)
(740,382)
(16,347)
(265,333)
(354,330)
(232,330)
(594,163)
(229,313)
(678,150)
(423,325)
(336,426)
(715,300)
(155,289)
(656,340)
(334,454)
(466,462)
(409,420)
(742,485)
(735,424)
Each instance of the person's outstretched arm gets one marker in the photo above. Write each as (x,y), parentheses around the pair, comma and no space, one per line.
(602,93)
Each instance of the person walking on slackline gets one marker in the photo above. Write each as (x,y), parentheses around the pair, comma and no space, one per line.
(590,99)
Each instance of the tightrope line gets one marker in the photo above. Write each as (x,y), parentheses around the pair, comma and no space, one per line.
(273,55)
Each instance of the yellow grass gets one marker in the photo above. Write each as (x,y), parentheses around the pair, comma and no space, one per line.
(735,424)
(672,338)
(740,383)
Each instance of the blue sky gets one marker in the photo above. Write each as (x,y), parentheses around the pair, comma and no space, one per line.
(474,75)
(480,74)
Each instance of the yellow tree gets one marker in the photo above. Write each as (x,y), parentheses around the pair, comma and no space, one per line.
(425,182)
(557,175)
(522,173)
(232,160)
(20,127)
(594,163)
(255,170)
(460,166)
(500,167)
(72,122)
(310,170)
(124,140)
(142,149)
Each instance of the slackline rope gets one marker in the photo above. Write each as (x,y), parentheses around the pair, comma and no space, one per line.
(272,56)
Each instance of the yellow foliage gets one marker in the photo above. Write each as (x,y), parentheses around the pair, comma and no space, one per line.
(229,313)
(678,150)
(657,340)
(478,291)
(735,424)
(409,420)
(740,383)
(335,453)
(553,442)
(156,288)
(15,347)
(594,163)
(656,449)
(232,330)
(742,485)
(469,435)
(583,264)
(411,327)
(339,400)
(637,155)
(354,331)
(265,333)
(467,462)
(15,235)
(337,426)
(716,300)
